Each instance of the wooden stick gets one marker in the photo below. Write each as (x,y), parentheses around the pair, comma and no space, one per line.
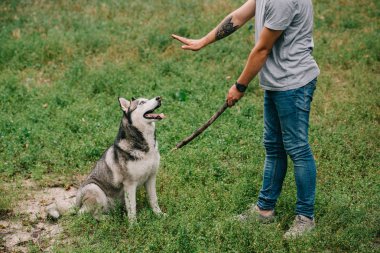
(202,128)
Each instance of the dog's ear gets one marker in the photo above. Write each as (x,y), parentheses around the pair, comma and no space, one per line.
(124,104)
(133,99)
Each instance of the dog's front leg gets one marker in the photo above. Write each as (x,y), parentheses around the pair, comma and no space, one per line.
(130,200)
(150,186)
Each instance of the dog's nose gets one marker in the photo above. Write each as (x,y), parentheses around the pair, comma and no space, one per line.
(158,99)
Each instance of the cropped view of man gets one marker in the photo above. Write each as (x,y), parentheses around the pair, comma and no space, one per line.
(282,56)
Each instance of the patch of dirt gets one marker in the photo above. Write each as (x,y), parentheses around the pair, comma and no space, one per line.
(28,223)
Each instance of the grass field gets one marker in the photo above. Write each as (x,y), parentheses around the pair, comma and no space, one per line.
(64,63)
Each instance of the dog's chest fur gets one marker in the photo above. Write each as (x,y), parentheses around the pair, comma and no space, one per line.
(142,162)
(140,170)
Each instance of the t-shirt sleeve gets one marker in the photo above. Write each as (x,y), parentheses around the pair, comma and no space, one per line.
(279,14)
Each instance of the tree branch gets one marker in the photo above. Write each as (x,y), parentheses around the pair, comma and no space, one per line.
(202,128)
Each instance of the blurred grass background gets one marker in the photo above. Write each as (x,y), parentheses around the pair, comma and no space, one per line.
(64,63)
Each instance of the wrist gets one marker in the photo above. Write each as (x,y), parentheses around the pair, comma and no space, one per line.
(204,41)
(240,87)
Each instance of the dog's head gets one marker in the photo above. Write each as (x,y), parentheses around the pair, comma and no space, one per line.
(141,110)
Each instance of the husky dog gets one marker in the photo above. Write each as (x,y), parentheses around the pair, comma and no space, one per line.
(132,160)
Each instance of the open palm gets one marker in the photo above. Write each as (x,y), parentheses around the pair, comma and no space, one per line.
(189,44)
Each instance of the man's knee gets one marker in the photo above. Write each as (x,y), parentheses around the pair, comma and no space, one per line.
(274,148)
(299,151)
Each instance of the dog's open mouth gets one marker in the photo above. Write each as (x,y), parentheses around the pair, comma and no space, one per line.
(151,115)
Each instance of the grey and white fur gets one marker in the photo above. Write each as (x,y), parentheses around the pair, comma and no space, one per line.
(131,161)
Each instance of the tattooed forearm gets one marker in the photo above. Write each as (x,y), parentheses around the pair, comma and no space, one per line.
(225,29)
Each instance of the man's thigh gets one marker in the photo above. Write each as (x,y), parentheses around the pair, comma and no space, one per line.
(272,126)
(293,108)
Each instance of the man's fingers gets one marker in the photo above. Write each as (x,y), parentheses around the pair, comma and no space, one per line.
(231,102)
(181,39)
(189,47)
(175,36)
(233,96)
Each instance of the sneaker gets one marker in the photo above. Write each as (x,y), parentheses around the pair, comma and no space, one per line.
(254,212)
(301,225)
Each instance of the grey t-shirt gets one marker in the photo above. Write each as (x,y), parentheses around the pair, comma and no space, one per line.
(290,65)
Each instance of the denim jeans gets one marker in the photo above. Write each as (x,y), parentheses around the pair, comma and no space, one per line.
(286,125)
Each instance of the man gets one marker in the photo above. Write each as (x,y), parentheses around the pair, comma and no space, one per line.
(287,73)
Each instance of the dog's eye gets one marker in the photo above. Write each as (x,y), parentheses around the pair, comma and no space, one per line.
(142,102)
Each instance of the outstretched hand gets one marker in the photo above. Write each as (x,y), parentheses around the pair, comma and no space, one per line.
(190,44)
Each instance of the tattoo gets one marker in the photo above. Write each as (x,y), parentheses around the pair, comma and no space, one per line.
(225,29)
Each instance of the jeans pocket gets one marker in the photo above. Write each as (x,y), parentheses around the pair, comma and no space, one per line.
(301,98)
(304,96)
(309,92)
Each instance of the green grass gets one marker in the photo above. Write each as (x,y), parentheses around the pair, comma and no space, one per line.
(64,63)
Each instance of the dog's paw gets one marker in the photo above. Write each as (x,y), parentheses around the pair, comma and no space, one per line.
(101,217)
(161,214)
(132,220)
(52,214)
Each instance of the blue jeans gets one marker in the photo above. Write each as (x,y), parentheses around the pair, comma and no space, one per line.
(286,125)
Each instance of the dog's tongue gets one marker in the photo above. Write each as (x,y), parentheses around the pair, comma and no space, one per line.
(155,116)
